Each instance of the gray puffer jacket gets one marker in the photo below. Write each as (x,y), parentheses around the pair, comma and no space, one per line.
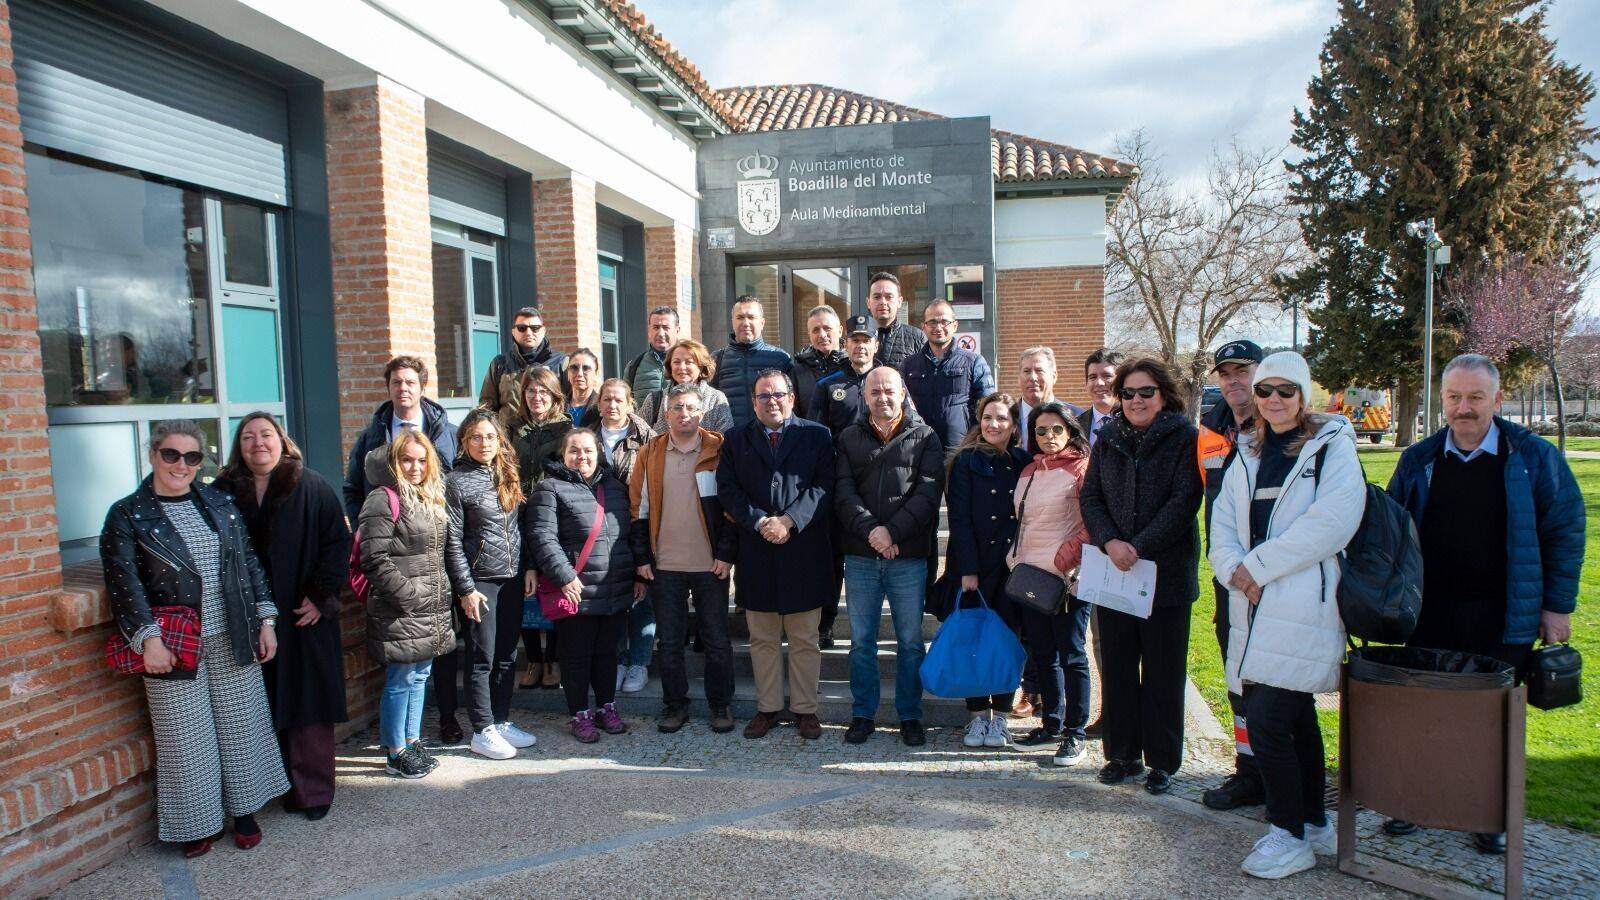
(482,541)
(409,610)
(556,523)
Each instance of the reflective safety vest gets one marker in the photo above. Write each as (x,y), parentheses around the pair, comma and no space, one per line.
(1212,454)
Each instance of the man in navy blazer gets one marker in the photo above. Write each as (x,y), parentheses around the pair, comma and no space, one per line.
(775,481)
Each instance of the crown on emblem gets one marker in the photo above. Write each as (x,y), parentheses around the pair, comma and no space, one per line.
(757,165)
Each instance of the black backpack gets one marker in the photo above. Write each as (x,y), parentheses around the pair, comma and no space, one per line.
(1380,570)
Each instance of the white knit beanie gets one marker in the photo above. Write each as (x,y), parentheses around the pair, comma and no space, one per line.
(1289,366)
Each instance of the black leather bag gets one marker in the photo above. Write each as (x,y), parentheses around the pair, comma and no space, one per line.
(1040,590)
(1554,676)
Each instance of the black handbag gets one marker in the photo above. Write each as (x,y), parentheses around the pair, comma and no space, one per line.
(1029,586)
(1554,676)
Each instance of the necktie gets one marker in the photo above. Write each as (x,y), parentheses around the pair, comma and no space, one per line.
(773,438)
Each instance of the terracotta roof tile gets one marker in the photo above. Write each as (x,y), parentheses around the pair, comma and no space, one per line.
(1014,157)
(688,72)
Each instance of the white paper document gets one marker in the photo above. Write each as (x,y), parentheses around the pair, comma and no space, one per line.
(1100,582)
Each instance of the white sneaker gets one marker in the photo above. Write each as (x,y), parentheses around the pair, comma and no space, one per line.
(1324,841)
(999,735)
(634,680)
(488,742)
(1278,855)
(622,672)
(977,732)
(515,736)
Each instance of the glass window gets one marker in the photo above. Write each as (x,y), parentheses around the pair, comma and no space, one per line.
(610,338)
(761,281)
(811,288)
(246,248)
(484,290)
(451,334)
(120,272)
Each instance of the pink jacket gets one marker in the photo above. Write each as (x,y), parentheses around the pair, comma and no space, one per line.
(1050,533)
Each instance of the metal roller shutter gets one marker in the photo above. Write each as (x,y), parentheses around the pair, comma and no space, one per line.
(99,88)
(611,238)
(460,192)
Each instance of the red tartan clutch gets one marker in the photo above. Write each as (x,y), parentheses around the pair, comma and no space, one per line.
(180,631)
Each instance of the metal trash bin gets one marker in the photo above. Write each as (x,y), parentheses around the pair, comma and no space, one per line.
(1436,738)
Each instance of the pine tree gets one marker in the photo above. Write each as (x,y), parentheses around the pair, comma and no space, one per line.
(1453,109)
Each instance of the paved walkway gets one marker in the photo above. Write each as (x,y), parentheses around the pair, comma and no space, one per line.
(701,814)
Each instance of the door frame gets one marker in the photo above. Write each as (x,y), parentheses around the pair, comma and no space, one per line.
(788,331)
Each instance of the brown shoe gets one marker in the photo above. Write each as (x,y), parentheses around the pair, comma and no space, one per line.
(532,673)
(721,720)
(1095,728)
(760,725)
(552,676)
(810,728)
(1025,708)
(673,718)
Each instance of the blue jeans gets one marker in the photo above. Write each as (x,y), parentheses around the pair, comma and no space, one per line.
(405,685)
(867,582)
(638,635)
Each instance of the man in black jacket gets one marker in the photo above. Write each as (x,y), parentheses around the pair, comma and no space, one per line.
(406,377)
(530,346)
(821,359)
(896,340)
(745,358)
(890,475)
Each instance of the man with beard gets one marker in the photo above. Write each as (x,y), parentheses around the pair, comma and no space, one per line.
(944,381)
(1502,527)
(530,346)
(896,340)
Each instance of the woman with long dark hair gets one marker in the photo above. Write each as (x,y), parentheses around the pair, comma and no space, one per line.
(176,543)
(538,441)
(297,526)
(1140,500)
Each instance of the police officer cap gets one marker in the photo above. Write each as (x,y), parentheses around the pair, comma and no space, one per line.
(864,325)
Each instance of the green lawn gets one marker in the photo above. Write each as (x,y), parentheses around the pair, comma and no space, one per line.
(1563,746)
(1581,443)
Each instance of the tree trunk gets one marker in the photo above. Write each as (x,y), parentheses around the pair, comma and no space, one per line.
(1561,418)
(1405,414)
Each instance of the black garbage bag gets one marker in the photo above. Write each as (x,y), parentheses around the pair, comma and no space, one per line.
(1446,670)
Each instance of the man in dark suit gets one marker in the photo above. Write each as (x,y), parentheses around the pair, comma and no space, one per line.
(775,481)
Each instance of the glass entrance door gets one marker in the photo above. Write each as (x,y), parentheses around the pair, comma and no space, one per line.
(916,284)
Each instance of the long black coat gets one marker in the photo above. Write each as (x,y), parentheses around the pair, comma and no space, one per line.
(753,482)
(556,522)
(1151,499)
(300,536)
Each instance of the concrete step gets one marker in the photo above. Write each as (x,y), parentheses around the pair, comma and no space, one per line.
(833,702)
(835,661)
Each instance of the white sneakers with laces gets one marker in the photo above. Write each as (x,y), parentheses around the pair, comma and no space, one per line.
(1279,854)
(491,744)
(999,735)
(515,736)
(1324,839)
(634,679)
(977,732)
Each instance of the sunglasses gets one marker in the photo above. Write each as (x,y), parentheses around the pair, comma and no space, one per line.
(171,457)
(527,328)
(1145,392)
(1286,391)
(1048,430)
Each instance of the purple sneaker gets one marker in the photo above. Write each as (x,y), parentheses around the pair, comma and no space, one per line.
(583,728)
(610,721)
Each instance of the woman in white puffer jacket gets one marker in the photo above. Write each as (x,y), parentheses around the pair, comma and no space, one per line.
(1277,528)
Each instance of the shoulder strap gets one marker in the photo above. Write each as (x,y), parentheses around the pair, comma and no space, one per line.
(594,527)
(394,503)
(633,368)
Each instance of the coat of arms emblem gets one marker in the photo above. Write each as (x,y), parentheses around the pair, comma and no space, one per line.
(759,207)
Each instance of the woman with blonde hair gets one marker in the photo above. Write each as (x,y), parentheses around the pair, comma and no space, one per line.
(402,535)
(689,362)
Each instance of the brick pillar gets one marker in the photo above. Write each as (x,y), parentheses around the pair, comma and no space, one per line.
(566,252)
(1061,307)
(382,248)
(669,273)
(75,779)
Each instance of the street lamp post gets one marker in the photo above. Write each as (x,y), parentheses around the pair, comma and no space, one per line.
(1436,254)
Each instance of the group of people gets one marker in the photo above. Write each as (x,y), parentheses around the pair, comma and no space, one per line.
(603,520)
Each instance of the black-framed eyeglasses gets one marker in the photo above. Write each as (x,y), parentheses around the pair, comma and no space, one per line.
(1145,392)
(527,328)
(772,396)
(1286,391)
(171,457)
(1048,430)
(939,323)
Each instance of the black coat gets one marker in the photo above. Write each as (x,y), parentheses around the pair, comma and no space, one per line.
(754,482)
(537,445)
(836,400)
(898,342)
(1150,499)
(809,368)
(410,612)
(146,564)
(435,424)
(300,535)
(895,484)
(983,515)
(556,523)
(482,540)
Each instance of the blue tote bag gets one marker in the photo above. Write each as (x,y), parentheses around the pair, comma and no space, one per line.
(975,654)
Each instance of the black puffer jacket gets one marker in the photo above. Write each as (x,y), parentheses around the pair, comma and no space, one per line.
(556,521)
(1149,497)
(409,609)
(895,484)
(537,445)
(809,368)
(482,539)
(146,564)
(738,364)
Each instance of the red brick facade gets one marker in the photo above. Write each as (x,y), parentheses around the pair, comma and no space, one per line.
(670,274)
(382,246)
(567,258)
(1060,307)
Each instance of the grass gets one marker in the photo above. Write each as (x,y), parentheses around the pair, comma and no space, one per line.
(1581,443)
(1563,745)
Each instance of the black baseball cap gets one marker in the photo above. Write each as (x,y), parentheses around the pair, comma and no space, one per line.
(1242,352)
(862,325)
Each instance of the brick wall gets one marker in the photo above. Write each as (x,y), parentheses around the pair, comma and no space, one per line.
(382,248)
(669,273)
(74,777)
(567,255)
(1062,308)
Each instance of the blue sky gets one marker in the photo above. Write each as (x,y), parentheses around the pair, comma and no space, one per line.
(1192,73)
